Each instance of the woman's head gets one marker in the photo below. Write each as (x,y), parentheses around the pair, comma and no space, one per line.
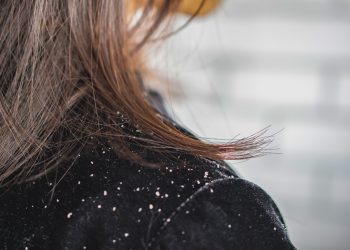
(71,69)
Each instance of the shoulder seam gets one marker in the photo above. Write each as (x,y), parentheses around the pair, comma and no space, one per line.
(183,204)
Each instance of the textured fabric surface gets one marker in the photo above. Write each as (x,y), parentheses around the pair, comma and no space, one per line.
(103,202)
(99,201)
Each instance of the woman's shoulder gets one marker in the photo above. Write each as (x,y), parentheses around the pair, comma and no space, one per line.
(229,213)
(101,201)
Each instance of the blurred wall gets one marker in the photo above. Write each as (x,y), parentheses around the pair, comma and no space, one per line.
(283,63)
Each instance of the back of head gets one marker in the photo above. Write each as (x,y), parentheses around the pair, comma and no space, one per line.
(71,69)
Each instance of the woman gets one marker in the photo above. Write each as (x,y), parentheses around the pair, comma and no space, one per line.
(89,158)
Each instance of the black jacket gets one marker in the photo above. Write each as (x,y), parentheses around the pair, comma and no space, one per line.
(103,202)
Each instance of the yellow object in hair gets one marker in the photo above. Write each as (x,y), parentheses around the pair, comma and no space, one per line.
(190,7)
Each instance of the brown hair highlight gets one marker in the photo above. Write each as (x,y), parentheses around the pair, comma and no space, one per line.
(70,70)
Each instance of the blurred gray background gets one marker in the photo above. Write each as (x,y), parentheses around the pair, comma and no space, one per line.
(283,63)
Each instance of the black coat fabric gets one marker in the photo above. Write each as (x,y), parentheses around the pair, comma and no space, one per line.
(102,202)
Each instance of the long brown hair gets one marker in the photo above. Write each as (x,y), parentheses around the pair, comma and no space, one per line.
(68,69)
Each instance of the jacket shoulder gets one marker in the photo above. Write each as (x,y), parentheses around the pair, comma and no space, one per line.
(228,213)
